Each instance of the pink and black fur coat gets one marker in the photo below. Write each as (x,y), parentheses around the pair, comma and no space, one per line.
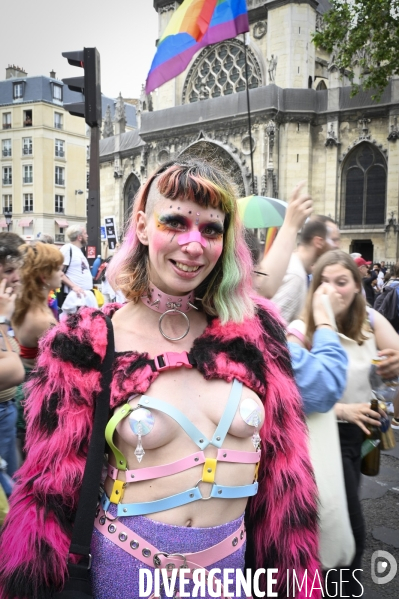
(281,519)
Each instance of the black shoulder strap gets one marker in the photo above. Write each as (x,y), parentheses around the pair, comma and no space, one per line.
(83,525)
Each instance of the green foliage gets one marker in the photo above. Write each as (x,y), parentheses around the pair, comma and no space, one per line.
(363,32)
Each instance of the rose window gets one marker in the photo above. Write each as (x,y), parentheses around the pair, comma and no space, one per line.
(219,71)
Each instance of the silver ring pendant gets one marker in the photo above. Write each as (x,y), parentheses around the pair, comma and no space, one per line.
(173,312)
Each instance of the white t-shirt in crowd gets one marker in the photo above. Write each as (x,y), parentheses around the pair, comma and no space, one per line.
(78,267)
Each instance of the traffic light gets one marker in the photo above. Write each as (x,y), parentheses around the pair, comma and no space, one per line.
(89,85)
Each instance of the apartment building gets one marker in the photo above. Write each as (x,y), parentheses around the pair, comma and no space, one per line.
(43,153)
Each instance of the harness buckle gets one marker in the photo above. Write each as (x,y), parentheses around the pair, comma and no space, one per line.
(169,566)
(171,360)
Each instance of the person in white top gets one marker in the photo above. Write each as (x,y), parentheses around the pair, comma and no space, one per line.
(77,275)
(364,334)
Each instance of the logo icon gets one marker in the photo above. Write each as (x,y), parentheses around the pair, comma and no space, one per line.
(383,567)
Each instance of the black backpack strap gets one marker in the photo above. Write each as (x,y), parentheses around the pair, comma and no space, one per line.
(83,525)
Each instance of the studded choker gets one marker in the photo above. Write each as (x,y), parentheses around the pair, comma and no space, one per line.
(165,304)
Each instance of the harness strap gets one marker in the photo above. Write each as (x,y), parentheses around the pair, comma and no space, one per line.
(192,431)
(228,414)
(195,459)
(141,549)
(109,433)
(184,498)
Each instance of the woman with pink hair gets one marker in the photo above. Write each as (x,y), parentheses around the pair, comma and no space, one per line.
(206,426)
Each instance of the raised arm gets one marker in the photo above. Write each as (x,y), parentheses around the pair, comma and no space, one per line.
(275,263)
(35,539)
(11,370)
(320,372)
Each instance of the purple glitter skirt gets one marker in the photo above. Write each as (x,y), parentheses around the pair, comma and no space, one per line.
(115,573)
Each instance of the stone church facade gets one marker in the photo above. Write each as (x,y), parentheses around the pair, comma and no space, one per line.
(304,125)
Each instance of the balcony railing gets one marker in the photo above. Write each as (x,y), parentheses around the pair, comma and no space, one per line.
(59,237)
(28,123)
(27,179)
(28,208)
(7,180)
(6,151)
(6,125)
(60,153)
(59,181)
(57,125)
(27,150)
(59,209)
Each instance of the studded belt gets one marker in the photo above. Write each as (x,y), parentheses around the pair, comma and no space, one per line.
(116,532)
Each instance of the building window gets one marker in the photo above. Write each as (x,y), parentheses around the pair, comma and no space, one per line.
(7,202)
(57,120)
(57,92)
(27,171)
(6,120)
(7,175)
(59,204)
(220,71)
(28,202)
(88,180)
(59,175)
(18,90)
(28,118)
(59,148)
(364,179)
(6,149)
(27,146)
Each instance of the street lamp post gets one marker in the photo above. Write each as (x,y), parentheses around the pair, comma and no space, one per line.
(8,216)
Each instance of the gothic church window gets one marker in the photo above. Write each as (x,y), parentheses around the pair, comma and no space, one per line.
(131,188)
(219,70)
(364,186)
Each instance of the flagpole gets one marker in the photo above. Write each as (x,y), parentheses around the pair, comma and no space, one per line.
(249,118)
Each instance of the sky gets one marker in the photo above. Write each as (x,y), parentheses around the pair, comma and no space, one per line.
(34,33)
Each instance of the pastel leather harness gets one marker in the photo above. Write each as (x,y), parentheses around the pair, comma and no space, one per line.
(128,540)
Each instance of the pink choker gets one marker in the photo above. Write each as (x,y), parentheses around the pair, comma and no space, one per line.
(161,302)
(164,303)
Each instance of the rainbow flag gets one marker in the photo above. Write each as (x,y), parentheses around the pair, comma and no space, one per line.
(194,25)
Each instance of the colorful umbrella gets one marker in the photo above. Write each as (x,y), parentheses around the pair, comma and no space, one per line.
(259,212)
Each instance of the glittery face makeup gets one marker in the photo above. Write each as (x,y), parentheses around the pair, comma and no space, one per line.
(188,231)
(185,242)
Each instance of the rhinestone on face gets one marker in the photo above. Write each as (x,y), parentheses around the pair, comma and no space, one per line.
(234,541)
(97,511)
(102,520)
(146,552)
(125,510)
(217,438)
(201,440)
(225,455)
(241,534)
(209,469)
(191,495)
(112,528)
(122,536)
(220,492)
(134,544)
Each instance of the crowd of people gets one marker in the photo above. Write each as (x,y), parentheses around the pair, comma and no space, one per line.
(239,398)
